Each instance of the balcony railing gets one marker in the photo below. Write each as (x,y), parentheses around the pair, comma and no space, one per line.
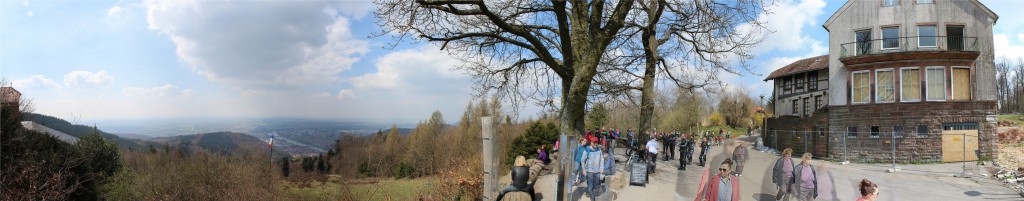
(906,44)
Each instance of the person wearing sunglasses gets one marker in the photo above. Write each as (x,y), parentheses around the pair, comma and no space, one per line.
(723,186)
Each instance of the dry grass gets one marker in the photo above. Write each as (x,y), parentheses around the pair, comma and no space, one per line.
(198,176)
(1011,148)
(363,189)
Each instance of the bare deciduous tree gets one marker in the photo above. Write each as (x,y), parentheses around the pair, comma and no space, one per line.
(690,41)
(517,49)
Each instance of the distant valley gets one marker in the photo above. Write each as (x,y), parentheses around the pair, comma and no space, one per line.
(292,136)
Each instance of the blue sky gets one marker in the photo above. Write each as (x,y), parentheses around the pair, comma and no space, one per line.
(110,60)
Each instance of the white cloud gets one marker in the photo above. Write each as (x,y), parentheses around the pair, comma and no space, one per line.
(76,79)
(1005,48)
(346,94)
(259,46)
(357,9)
(408,70)
(321,95)
(787,20)
(30,14)
(35,81)
(115,11)
(24,3)
(167,90)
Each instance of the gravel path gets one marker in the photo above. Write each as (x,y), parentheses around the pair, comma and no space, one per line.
(836,181)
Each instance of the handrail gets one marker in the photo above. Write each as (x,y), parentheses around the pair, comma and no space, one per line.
(910,43)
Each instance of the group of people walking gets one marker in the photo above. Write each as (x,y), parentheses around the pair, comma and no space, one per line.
(687,144)
(594,160)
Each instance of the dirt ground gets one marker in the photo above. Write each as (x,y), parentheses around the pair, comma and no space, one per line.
(1011,155)
(836,182)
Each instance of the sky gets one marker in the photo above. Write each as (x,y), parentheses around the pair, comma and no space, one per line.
(101,60)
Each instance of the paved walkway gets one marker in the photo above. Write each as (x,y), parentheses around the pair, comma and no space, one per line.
(836,182)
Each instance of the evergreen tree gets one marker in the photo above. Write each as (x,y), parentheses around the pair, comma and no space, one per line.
(320,164)
(284,166)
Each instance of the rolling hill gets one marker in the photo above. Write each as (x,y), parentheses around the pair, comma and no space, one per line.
(81,130)
(217,142)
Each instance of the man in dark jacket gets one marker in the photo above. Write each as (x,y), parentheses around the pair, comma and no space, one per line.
(739,157)
(705,146)
(684,146)
(673,138)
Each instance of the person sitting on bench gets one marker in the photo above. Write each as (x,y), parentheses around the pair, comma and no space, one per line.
(520,179)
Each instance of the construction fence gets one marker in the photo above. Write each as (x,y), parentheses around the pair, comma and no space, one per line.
(896,150)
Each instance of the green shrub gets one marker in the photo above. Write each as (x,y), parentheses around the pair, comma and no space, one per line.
(539,133)
(404,170)
(364,169)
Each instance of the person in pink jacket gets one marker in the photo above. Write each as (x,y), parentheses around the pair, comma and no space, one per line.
(722,186)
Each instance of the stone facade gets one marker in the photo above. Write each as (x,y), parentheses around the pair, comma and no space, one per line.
(801,134)
(911,146)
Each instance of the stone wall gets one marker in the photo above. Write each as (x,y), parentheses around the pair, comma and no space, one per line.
(910,147)
(798,133)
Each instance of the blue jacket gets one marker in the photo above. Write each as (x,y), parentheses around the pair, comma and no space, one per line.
(579,152)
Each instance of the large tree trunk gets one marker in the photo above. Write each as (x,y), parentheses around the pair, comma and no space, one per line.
(650,42)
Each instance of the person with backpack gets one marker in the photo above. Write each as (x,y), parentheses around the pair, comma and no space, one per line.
(577,156)
(593,169)
(705,146)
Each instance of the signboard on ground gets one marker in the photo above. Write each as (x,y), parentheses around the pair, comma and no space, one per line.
(638,174)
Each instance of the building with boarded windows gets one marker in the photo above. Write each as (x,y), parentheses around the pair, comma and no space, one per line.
(912,76)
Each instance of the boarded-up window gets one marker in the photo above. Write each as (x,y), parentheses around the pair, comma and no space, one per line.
(861,91)
(911,81)
(936,79)
(886,88)
(961,84)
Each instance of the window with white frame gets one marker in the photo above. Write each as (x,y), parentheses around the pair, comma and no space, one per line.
(890,37)
(885,87)
(851,132)
(861,93)
(910,84)
(886,3)
(926,36)
(786,83)
(863,38)
(935,79)
(799,82)
(961,83)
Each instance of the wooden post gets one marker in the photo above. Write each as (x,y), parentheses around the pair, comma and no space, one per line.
(490,159)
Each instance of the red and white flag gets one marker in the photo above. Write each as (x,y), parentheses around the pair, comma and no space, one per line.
(271,143)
